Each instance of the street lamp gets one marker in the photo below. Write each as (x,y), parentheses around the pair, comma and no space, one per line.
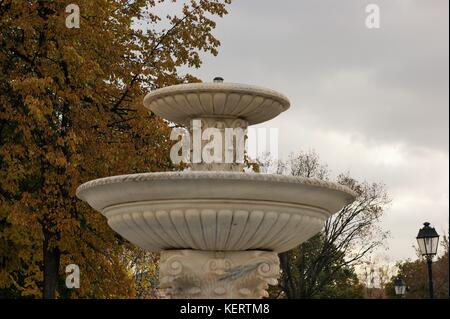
(400,287)
(428,240)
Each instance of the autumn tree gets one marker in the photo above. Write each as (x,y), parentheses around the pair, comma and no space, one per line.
(70,111)
(143,267)
(318,267)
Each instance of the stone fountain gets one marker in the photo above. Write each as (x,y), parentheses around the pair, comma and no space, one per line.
(218,229)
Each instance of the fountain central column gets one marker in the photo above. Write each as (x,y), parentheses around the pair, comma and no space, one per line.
(231,133)
(207,274)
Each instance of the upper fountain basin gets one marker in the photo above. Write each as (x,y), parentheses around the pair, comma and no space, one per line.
(184,102)
(215,210)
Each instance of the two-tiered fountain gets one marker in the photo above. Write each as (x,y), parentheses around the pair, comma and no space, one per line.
(218,229)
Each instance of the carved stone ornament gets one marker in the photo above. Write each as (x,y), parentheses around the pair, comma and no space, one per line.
(194,274)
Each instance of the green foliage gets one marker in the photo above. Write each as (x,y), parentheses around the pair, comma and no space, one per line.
(323,266)
(302,280)
(415,275)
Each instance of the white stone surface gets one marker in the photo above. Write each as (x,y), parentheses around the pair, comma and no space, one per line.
(195,274)
(213,223)
(184,102)
(215,210)
(221,124)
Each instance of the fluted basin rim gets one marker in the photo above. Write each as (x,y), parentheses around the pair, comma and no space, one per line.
(153,176)
(214,175)
(152,209)
(217,87)
(251,103)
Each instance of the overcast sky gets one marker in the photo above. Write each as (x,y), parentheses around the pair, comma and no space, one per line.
(373,102)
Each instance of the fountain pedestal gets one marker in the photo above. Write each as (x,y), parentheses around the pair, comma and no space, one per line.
(196,274)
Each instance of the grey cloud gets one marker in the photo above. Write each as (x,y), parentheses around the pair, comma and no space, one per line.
(379,87)
(299,47)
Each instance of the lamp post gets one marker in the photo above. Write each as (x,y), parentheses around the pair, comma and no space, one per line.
(400,287)
(428,240)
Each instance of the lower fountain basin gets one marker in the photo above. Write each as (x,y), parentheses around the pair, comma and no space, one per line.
(217,211)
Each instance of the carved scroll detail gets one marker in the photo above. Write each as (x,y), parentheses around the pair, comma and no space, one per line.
(196,274)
